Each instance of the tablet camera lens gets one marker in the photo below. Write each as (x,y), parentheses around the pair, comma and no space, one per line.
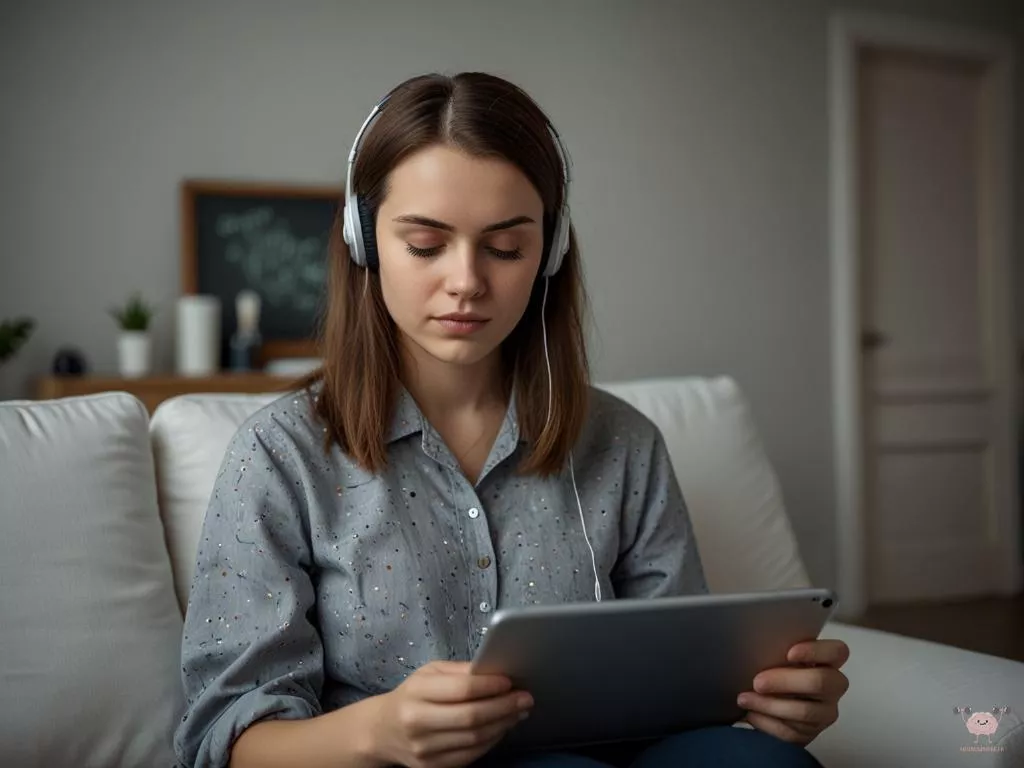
(827,603)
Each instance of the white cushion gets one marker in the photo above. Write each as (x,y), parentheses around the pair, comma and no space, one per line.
(744,535)
(733,494)
(89,629)
(900,709)
(190,435)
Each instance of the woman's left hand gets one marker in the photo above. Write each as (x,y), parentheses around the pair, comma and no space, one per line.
(799,702)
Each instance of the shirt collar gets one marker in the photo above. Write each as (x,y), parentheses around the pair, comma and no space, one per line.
(407,418)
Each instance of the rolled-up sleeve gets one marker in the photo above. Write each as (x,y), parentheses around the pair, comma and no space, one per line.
(659,556)
(251,649)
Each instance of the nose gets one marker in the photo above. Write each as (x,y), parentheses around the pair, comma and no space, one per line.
(464,277)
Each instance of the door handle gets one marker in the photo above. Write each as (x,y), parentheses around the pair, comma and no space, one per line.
(872,339)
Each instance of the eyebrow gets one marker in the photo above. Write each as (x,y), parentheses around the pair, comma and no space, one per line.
(424,221)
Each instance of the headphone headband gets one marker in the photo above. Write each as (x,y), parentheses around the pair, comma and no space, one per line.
(358,224)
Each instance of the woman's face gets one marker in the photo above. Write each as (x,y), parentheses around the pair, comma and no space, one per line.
(459,240)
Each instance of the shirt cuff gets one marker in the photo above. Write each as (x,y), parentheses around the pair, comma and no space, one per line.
(214,750)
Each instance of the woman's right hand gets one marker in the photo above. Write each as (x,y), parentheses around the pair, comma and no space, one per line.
(442,716)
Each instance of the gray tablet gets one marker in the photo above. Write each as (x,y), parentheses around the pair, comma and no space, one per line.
(634,669)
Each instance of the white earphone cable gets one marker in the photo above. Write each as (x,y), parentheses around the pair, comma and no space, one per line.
(572,468)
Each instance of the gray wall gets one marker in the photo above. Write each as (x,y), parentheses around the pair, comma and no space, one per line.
(698,131)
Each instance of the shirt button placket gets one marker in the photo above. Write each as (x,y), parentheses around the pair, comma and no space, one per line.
(484,582)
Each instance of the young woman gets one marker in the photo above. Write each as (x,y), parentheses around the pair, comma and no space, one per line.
(448,459)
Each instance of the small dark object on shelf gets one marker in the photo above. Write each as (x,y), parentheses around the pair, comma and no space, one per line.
(69,362)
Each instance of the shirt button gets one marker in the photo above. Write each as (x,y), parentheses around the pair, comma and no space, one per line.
(485,607)
(484,561)
(474,513)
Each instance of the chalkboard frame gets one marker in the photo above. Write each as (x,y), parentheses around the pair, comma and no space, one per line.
(193,188)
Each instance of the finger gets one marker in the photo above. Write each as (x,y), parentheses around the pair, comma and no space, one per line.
(830,653)
(449,741)
(806,732)
(443,687)
(777,728)
(448,667)
(810,714)
(467,716)
(817,683)
(463,757)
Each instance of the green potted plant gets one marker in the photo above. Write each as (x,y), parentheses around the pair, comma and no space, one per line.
(133,345)
(13,335)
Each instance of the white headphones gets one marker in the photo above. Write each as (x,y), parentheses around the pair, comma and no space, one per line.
(359,225)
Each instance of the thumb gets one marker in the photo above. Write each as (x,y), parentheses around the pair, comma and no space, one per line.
(448,667)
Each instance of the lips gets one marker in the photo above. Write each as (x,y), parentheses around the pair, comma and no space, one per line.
(464,317)
(462,322)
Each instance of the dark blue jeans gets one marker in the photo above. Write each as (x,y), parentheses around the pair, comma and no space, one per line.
(718,746)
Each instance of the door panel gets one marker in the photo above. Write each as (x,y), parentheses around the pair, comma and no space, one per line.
(930,411)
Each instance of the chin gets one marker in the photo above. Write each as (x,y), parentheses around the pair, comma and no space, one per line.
(458,352)
(465,357)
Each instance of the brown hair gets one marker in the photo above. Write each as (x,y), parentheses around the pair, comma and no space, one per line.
(481,115)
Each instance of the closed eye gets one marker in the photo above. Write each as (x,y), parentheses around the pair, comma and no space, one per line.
(423,253)
(426,253)
(507,255)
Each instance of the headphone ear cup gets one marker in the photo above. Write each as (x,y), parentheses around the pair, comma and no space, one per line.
(559,244)
(348,231)
(368,228)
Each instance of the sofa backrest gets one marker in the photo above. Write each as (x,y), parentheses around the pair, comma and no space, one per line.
(745,538)
(90,632)
(730,487)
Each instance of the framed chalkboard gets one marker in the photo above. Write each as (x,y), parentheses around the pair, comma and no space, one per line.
(269,238)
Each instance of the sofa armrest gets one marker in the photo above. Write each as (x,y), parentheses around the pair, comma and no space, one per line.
(900,708)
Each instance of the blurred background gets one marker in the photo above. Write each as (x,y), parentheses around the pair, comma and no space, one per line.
(743,206)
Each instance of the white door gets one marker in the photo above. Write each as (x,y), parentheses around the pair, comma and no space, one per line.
(937,416)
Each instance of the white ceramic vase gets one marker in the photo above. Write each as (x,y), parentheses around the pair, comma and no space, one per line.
(133,354)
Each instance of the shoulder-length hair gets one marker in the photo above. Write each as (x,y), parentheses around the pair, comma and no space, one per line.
(484,116)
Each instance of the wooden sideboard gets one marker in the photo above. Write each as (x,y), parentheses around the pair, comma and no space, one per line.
(153,390)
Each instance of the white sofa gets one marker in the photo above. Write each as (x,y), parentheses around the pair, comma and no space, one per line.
(100,513)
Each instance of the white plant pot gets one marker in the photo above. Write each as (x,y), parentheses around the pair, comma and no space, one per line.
(133,354)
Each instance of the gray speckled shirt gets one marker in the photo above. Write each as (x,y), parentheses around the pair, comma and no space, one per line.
(318,584)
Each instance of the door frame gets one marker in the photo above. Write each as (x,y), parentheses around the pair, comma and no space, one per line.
(849,32)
